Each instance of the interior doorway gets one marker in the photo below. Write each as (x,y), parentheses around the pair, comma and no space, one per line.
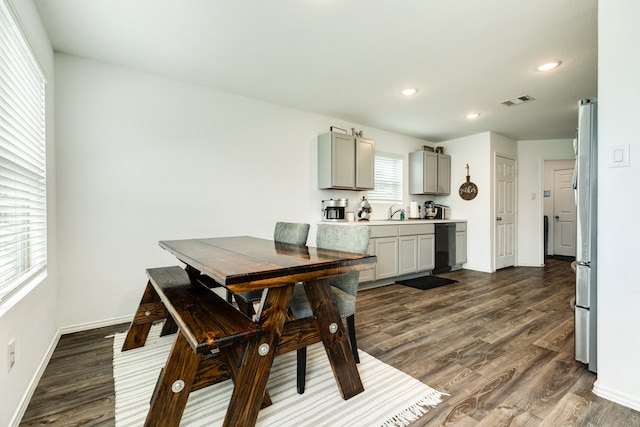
(559,207)
(564,213)
(505,209)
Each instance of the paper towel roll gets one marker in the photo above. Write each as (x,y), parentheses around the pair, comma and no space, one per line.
(413,210)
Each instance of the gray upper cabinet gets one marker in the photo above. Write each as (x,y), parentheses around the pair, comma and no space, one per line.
(429,173)
(345,162)
(365,152)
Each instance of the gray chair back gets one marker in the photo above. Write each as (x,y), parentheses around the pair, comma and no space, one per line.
(347,238)
(290,232)
(285,232)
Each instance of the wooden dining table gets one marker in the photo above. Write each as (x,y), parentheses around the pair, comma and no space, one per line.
(248,264)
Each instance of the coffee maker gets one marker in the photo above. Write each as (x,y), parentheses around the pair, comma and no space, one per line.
(334,210)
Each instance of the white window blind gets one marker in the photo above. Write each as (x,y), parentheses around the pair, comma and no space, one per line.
(387,178)
(23,245)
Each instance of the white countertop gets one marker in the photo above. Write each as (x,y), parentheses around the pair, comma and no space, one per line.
(376,222)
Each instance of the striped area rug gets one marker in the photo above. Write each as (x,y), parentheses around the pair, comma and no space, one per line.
(391,397)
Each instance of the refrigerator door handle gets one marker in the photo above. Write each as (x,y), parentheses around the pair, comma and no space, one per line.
(583,291)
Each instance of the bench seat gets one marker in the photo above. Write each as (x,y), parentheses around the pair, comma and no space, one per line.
(204,322)
(206,319)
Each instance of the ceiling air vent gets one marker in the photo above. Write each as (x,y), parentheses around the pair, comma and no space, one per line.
(519,100)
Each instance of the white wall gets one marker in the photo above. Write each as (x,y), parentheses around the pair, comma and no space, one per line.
(475,151)
(619,234)
(30,317)
(143,158)
(531,155)
(479,152)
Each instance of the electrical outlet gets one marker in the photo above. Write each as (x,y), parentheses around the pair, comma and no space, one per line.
(12,353)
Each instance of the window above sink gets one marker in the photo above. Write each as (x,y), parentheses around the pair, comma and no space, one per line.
(388,178)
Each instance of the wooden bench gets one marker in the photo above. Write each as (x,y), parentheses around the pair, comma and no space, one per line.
(205,322)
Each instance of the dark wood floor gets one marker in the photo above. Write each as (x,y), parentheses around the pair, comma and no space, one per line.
(500,344)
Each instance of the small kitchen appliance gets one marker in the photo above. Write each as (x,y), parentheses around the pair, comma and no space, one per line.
(443,212)
(334,210)
(430,210)
(364,210)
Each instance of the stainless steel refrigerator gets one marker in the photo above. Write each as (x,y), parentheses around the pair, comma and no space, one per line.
(586,185)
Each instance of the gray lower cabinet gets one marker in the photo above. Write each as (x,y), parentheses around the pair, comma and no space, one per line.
(416,248)
(407,254)
(383,243)
(387,252)
(461,243)
(370,274)
(426,252)
(401,249)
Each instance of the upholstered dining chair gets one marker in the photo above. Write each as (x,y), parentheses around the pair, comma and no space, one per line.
(346,238)
(284,232)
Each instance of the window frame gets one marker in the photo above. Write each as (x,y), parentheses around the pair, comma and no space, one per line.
(23,159)
(389,169)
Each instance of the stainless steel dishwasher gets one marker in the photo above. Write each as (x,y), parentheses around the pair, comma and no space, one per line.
(445,247)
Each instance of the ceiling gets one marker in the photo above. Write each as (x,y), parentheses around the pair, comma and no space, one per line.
(350,59)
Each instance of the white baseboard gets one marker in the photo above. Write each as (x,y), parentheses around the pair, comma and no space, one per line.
(616,397)
(478,268)
(26,398)
(24,402)
(530,265)
(97,324)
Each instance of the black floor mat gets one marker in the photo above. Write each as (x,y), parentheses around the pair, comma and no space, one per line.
(426,282)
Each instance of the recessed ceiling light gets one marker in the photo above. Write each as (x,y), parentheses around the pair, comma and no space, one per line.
(547,66)
(409,92)
(472,116)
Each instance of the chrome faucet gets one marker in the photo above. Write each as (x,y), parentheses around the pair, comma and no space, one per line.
(392,212)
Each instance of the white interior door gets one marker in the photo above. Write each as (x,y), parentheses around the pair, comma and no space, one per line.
(505,208)
(564,213)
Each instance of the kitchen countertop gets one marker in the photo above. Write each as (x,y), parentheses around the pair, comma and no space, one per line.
(376,222)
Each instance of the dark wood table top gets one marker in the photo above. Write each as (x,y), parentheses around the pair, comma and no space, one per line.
(248,263)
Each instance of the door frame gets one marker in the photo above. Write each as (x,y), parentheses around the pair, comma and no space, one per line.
(557,204)
(494,241)
(550,165)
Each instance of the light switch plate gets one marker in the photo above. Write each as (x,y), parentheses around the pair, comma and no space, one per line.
(619,156)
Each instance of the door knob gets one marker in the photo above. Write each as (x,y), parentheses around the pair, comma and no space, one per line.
(557,217)
(499,218)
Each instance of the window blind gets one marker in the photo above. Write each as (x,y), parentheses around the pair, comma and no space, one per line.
(387,178)
(23,245)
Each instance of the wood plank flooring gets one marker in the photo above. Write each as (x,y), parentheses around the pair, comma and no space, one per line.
(500,344)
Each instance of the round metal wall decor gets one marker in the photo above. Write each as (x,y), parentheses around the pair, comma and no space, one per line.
(468,190)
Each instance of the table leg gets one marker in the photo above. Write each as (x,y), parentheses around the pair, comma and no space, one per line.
(149,310)
(231,355)
(174,385)
(251,380)
(334,338)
